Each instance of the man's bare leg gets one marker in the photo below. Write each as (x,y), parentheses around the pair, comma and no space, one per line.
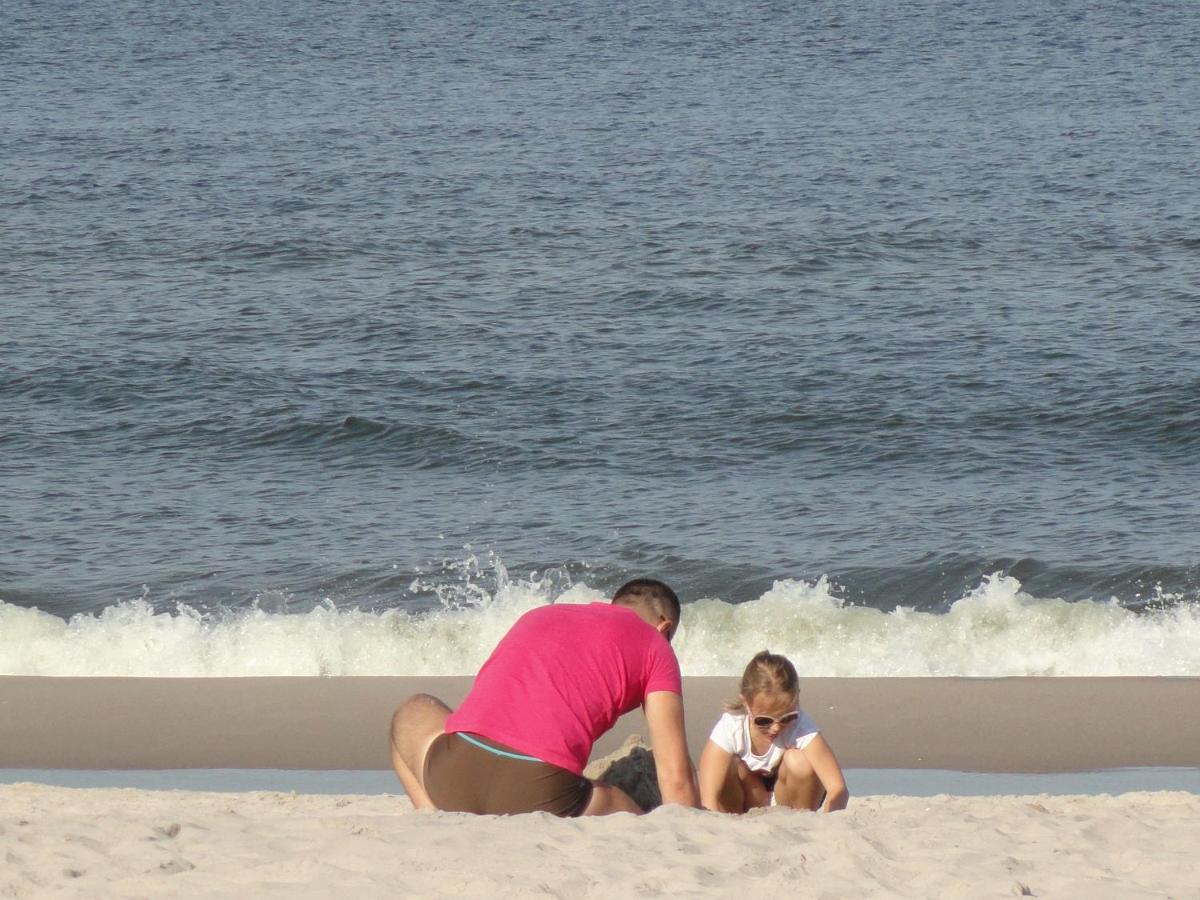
(416,722)
(609,799)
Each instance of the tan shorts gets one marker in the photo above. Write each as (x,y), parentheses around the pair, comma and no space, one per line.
(462,776)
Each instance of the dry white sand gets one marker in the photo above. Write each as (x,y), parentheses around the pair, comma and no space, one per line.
(67,842)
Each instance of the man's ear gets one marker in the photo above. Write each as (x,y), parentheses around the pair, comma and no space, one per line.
(665,628)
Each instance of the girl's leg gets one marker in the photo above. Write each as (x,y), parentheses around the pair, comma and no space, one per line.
(729,797)
(754,792)
(798,785)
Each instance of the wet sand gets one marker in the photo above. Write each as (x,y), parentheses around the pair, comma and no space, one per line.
(966,724)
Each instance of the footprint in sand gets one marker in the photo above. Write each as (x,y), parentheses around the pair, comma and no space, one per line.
(84,841)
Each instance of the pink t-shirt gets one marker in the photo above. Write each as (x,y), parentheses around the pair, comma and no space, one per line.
(562,676)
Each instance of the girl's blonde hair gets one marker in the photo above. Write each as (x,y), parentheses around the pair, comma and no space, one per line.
(767,673)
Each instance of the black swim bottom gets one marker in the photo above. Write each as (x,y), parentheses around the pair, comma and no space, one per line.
(469,773)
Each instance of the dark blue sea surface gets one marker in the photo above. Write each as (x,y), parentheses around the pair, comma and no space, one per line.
(388,306)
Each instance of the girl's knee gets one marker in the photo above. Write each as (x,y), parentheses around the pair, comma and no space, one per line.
(795,766)
(798,785)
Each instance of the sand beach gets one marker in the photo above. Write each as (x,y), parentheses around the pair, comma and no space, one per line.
(105,842)
(124,843)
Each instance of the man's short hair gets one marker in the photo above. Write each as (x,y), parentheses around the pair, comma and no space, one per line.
(650,593)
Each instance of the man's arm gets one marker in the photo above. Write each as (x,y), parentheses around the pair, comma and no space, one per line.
(668,741)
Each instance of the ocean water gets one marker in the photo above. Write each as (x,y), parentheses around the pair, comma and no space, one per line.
(334,336)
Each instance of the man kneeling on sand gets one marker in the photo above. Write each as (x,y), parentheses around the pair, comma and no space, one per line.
(559,679)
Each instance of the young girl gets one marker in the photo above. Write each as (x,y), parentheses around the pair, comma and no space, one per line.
(764,750)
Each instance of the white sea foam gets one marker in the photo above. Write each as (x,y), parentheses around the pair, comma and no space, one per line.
(995,630)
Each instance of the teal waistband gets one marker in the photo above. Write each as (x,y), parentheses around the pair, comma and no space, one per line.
(490,749)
